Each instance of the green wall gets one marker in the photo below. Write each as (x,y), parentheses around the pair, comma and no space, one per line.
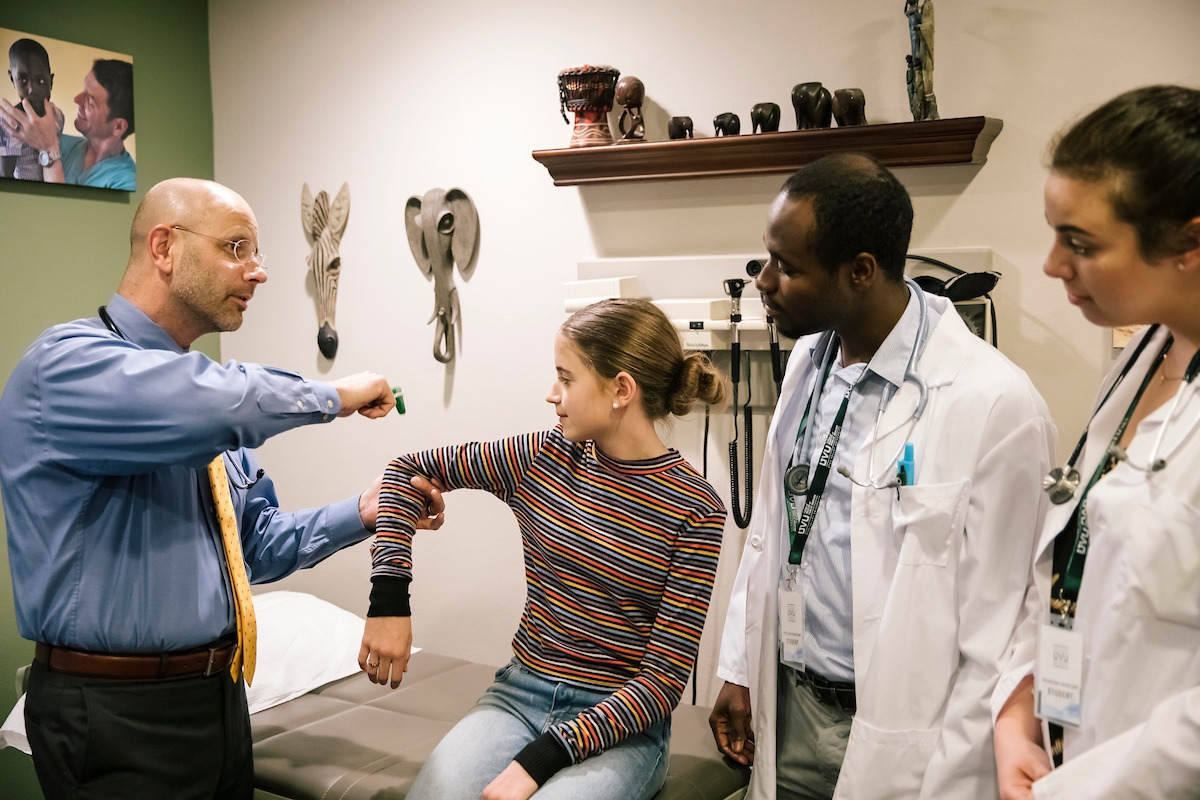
(64,248)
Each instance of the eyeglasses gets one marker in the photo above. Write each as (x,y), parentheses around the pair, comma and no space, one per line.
(242,249)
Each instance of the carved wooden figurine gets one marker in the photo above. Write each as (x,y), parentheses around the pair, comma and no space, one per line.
(630,94)
(727,124)
(919,74)
(812,104)
(849,107)
(764,117)
(679,128)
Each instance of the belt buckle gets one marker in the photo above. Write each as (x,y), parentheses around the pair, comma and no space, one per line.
(212,657)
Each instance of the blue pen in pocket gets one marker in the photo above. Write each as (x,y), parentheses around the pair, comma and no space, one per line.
(906,468)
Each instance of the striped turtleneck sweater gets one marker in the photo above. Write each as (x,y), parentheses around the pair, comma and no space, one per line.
(619,565)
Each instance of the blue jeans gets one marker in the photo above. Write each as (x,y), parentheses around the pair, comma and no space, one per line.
(516,709)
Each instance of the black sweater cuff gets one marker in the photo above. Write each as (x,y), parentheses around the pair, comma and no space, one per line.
(543,757)
(389,597)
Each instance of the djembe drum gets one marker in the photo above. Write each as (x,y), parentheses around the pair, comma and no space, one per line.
(588,92)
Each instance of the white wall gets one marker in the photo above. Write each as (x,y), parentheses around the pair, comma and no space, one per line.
(400,97)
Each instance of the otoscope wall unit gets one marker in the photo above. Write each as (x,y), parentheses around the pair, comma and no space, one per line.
(693,292)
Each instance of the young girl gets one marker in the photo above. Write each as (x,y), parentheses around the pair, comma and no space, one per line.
(1116,595)
(621,538)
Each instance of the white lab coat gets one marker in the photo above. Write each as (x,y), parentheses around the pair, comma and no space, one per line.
(938,573)
(1139,610)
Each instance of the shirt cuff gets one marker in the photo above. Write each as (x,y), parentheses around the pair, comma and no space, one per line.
(543,757)
(389,597)
(343,524)
(328,399)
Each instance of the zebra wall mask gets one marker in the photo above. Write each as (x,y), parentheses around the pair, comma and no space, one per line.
(443,232)
(324,225)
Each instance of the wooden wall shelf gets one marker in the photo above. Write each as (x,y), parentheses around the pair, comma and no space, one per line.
(962,140)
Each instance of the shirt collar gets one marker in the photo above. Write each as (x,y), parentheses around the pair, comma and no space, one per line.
(891,359)
(138,328)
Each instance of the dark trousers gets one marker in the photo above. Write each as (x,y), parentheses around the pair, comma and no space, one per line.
(182,739)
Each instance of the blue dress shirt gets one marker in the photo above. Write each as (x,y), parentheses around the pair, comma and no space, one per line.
(112,535)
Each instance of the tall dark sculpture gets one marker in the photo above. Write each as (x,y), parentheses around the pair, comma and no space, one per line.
(919,73)
(443,232)
(812,104)
(764,117)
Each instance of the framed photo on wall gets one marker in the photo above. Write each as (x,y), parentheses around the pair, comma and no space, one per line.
(66,113)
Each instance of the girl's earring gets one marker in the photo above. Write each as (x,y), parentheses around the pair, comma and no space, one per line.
(616,406)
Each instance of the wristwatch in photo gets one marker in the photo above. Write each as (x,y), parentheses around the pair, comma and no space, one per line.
(48,157)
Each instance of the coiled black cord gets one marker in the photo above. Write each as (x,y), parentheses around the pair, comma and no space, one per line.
(741,518)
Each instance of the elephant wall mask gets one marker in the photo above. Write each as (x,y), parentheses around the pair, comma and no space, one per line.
(443,232)
(324,225)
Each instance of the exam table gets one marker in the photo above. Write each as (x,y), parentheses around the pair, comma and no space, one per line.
(322,731)
(327,743)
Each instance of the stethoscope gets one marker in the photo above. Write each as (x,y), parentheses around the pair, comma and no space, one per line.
(245,481)
(1062,482)
(796,476)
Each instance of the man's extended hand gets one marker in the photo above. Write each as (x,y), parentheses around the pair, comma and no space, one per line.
(430,520)
(367,393)
(731,724)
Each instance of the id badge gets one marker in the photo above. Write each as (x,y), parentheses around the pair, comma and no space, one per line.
(1060,675)
(791,625)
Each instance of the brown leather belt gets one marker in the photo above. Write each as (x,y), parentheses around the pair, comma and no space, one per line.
(145,666)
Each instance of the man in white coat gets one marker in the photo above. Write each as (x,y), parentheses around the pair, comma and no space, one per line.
(896,515)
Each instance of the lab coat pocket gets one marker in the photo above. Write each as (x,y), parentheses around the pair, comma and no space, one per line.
(1164,559)
(881,764)
(927,517)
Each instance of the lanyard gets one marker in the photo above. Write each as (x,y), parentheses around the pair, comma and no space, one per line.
(1062,481)
(1071,572)
(814,490)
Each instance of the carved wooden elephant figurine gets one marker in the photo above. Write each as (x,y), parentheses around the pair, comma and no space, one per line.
(679,128)
(812,104)
(849,107)
(764,117)
(727,124)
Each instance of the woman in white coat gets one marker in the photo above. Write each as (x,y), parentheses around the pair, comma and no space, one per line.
(937,565)
(1112,630)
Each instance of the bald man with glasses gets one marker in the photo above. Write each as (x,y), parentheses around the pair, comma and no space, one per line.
(124,572)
